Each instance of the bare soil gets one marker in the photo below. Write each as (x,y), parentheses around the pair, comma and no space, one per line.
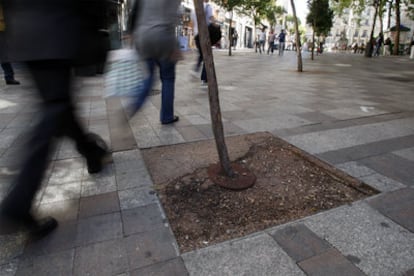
(290,185)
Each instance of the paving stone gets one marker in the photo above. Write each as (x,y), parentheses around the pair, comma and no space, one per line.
(361,232)
(105,258)
(190,133)
(61,239)
(99,205)
(331,262)
(137,197)
(142,219)
(355,169)
(393,167)
(101,183)
(382,183)
(66,210)
(406,153)
(397,205)
(151,247)
(299,242)
(12,246)
(253,255)
(358,152)
(67,171)
(63,192)
(174,267)
(53,264)
(270,123)
(9,269)
(335,139)
(99,228)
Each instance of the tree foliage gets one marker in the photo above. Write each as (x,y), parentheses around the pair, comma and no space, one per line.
(320,16)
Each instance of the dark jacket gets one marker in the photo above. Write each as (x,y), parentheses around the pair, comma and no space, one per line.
(49,29)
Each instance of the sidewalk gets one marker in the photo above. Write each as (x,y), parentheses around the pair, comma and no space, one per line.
(354,112)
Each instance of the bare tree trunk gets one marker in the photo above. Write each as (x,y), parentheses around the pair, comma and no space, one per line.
(313,43)
(298,44)
(230,36)
(215,112)
(397,26)
(369,50)
(389,14)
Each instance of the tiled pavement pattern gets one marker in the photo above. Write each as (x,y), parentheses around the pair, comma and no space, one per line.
(353,112)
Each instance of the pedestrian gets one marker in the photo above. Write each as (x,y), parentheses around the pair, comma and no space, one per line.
(262,40)
(9,73)
(378,44)
(46,37)
(282,39)
(271,42)
(235,37)
(208,11)
(387,47)
(156,42)
(6,66)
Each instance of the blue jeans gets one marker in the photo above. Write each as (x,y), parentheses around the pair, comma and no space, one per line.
(8,71)
(167,76)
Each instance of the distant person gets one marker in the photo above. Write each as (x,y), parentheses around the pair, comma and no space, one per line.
(378,44)
(271,42)
(208,12)
(154,36)
(387,47)
(9,73)
(282,39)
(234,37)
(262,40)
(6,66)
(45,36)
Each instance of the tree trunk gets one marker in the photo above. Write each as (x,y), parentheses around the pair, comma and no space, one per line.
(389,15)
(215,112)
(313,42)
(298,44)
(230,36)
(370,46)
(397,26)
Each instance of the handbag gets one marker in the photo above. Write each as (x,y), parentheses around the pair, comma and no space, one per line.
(125,73)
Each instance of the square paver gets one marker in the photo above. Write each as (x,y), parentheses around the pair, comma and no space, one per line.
(105,258)
(150,247)
(299,242)
(329,263)
(397,205)
(252,255)
(137,197)
(99,228)
(142,219)
(53,264)
(99,205)
(174,267)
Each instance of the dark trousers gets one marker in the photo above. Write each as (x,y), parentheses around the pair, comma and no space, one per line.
(52,79)
(200,60)
(8,71)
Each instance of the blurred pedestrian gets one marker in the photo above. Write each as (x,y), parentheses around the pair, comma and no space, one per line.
(9,73)
(262,40)
(154,35)
(378,44)
(271,42)
(45,35)
(282,39)
(234,37)
(6,66)
(208,12)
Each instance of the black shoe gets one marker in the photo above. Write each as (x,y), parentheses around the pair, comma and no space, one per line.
(36,228)
(12,82)
(175,119)
(95,151)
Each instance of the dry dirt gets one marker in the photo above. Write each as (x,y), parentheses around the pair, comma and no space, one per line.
(290,185)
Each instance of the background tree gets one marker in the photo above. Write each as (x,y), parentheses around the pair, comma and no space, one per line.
(298,44)
(397,26)
(409,8)
(320,17)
